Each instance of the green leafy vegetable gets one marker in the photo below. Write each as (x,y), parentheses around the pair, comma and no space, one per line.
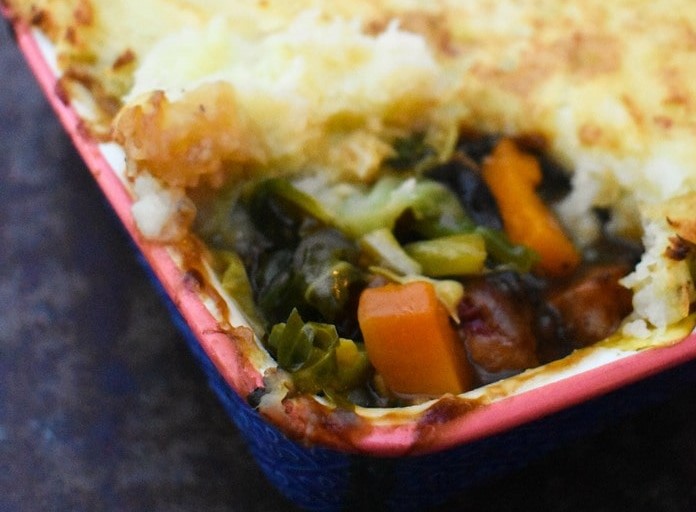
(433,207)
(283,212)
(434,211)
(316,357)
(326,265)
(224,224)
(502,250)
(412,153)
(463,254)
(320,277)
(280,209)
(236,283)
(382,247)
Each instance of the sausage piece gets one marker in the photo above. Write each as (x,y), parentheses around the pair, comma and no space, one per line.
(592,306)
(508,324)
(496,324)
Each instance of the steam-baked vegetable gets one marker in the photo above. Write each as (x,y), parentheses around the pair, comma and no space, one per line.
(382,247)
(410,341)
(320,361)
(319,277)
(512,177)
(278,209)
(452,255)
(412,153)
(432,208)
(401,267)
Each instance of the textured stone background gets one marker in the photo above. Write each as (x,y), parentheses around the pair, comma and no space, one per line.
(102,408)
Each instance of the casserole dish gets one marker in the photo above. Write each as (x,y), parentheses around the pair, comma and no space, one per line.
(392,449)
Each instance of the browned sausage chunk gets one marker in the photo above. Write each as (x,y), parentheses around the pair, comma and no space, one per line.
(592,306)
(496,325)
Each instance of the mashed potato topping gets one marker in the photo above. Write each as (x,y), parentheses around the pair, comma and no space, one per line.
(212,92)
(319,94)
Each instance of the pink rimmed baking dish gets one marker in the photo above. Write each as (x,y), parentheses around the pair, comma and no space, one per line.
(397,459)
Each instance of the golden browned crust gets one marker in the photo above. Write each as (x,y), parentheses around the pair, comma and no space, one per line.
(681,216)
(180,142)
(624,69)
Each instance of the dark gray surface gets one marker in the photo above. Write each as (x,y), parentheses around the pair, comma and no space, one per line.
(102,407)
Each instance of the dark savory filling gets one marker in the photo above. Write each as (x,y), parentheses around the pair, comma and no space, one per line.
(437,278)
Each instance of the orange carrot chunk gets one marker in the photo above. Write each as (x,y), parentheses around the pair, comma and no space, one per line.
(410,341)
(512,176)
